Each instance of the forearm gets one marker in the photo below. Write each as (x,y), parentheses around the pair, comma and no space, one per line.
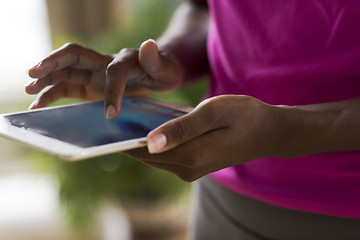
(327,127)
(185,39)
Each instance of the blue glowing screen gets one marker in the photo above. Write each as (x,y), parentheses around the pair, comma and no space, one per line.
(85,125)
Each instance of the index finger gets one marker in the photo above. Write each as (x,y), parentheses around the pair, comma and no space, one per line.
(68,55)
(117,74)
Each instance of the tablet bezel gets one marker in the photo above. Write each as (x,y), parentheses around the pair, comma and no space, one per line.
(68,151)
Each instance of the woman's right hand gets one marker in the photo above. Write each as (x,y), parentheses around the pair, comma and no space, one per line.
(74,71)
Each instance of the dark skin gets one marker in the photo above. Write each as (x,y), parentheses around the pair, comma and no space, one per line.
(222,131)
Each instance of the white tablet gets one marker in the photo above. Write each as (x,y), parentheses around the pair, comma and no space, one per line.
(80,131)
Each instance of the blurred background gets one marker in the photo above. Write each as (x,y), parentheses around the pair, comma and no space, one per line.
(105,198)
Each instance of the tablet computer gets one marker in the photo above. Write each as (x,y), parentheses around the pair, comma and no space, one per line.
(80,131)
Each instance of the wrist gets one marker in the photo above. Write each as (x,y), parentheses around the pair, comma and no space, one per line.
(302,131)
(188,52)
(185,39)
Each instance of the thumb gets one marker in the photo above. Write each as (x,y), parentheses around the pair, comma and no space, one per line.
(164,71)
(149,56)
(183,129)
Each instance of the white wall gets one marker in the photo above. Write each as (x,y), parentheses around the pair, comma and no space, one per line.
(24,40)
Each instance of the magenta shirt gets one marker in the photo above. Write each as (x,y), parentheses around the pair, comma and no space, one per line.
(292,52)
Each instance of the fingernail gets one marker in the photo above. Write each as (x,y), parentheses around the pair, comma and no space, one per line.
(151,40)
(157,143)
(31,87)
(110,112)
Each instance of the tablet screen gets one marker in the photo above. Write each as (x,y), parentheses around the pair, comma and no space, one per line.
(85,125)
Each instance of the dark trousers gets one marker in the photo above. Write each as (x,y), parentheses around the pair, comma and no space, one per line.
(220,214)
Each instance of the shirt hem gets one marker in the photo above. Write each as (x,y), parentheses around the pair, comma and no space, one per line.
(328,209)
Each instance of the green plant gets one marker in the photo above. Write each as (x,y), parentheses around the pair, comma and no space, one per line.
(84,185)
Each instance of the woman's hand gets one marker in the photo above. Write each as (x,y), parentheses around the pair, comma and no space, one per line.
(77,72)
(221,132)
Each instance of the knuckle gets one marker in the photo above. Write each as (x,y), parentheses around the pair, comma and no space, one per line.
(111,69)
(182,130)
(247,98)
(214,112)
(71,46)
(128,52)
(128,55)
(114,72)
(71,51)
(123,61)
(114,67)
(212,107)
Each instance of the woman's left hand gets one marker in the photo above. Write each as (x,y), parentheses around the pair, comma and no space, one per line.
(220,132)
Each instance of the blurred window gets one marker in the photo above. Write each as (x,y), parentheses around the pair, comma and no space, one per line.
(24,41)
